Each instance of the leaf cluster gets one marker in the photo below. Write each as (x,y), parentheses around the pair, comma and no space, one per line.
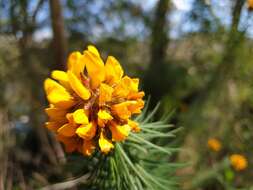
(142,161)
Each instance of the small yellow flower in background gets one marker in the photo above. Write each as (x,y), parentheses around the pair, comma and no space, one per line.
(91,104)
(214,144)
(238,162)
(250,4)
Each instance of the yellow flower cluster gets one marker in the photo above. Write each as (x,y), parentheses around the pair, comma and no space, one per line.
(250,4)
(238,162)
(91,104)
(214,144)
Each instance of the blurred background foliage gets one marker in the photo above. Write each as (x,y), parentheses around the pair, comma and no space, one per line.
(194,56)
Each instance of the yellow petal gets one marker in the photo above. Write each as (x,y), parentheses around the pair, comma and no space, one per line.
(50,85)
(88,147)
(94,50)
(113,70)
(104,144)
(59,75)
(103,117)
(105,93)
(76,63)
(80,117)
(70,144)
(134,85)
(60,99)
(62,77)
(57,94)
(119,132)
(102,114)
(78,87)
(87,132)
(121,110)
(67,130)
(95,68)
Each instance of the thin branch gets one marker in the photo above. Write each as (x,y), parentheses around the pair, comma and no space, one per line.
(68,184)
(36,10)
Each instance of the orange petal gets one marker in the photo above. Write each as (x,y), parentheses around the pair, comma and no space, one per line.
(56,114)
(53,125)
(136,106)
(67,130)
(126,86)
(88,147)
(119,132)
(70,119)
(70,144)
(121,110)
(135,95)
(238,162)
(134,126)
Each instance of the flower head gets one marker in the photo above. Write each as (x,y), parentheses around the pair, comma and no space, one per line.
(214,144)
(91,104)
(238,162)
(250,5)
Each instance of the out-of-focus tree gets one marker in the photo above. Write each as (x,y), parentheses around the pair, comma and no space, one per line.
(203,18)
(97,19)
(227,65)
(219,100)
(23,19)
(59,38)
(22,23)
(155,79)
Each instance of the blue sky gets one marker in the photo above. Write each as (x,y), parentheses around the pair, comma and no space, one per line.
(181,7)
